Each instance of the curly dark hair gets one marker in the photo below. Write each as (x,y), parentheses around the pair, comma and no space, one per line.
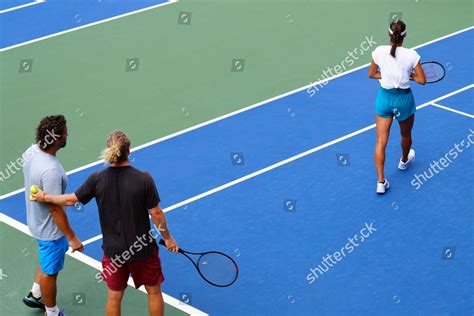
(48,128)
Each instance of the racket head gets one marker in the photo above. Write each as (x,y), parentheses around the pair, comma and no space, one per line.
(217,268)
(434,71)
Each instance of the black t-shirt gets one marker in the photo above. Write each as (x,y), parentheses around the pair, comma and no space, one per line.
(123,195)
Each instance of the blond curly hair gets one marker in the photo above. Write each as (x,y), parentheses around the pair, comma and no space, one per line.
(118,146)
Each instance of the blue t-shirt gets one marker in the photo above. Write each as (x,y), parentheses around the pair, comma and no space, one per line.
(45,171)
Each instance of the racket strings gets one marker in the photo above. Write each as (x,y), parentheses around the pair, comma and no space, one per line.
(433,71)
(217,268)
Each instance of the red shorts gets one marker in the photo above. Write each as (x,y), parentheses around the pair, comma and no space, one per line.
(144,272)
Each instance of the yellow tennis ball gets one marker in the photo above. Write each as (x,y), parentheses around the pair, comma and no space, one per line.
(34,189)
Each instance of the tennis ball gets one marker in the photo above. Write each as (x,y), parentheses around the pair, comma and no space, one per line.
(34,189)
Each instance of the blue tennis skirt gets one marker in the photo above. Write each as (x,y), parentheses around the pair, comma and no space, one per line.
(398,103)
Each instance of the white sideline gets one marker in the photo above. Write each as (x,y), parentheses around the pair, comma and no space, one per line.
(86,25)
(287,161)
(91,240)
(22,6)
(168,299)
(189,129)
(296,157)
(98,266)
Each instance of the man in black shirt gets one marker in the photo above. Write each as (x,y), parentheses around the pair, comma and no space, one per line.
(125,197)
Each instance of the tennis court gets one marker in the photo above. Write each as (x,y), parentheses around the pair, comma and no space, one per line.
(247,159)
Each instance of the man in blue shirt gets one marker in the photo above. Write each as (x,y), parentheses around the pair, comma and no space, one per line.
(48,223)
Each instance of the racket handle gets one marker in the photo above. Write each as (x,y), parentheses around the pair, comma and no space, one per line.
(162,242)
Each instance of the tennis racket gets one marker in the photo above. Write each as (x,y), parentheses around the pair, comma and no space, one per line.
(434,71)
(216,268)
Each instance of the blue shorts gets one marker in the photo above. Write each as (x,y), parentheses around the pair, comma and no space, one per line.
(52,254)
(398,103)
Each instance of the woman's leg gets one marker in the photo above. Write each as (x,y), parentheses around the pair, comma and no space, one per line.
(382,133)
(405,130)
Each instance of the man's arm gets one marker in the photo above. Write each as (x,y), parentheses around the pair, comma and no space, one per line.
(63,199)
(51,181)
(60,219)
(59,215)
(158,218)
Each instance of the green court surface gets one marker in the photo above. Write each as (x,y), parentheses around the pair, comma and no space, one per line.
(78,290)
(184,76)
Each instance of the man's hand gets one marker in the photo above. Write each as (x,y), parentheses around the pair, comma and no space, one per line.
(38,196)
(76,244)
(171,245)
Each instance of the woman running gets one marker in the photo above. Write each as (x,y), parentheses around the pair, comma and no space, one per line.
(394,65)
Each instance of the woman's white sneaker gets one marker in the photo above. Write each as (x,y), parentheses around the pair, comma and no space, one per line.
(411,158)
(382,187)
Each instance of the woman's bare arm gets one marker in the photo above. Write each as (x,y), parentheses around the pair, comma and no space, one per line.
(374,72)
(418,74)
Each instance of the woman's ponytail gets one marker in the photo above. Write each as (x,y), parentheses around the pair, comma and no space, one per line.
(397,31)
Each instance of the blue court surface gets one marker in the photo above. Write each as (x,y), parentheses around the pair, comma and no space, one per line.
(28,20)
(283,185)
(461,102)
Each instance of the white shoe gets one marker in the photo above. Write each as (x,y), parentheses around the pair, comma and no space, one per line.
(382,187)
(411,158)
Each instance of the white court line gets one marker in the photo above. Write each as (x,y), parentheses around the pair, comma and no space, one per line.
(452,110)
(98,266)
(22,6)
(291,159)
(252,175)
(87,25)
(220,118)
(91,240)
(296,157)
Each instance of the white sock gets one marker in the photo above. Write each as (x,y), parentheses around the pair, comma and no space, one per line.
(52,311)
(36,290)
